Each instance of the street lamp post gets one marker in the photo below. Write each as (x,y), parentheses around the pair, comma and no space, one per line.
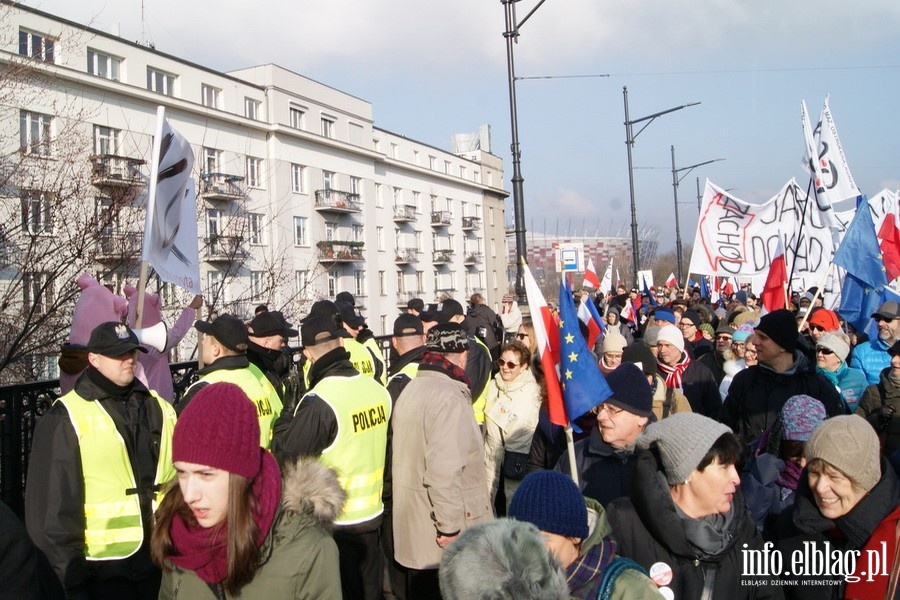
(511,34)
(629,142)
(675,181)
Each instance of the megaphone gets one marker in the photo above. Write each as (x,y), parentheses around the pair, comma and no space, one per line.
(156,336)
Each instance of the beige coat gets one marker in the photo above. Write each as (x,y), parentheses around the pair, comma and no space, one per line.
(439,482)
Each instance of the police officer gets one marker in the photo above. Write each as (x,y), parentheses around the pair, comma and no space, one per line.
(224,352)
(343,420)
(98,459)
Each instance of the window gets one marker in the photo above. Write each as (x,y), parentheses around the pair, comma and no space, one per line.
(462,172)
(296,117)
(103,65)
(359,281)
(493,248)
(35,132)
(357,232)
(215,288)
(160,82)
(298,179)
(432,163)
(417,201)
(300,236)
(214,223)
(420,281)
(382,284)
(257,284)
(379,235)
(395,151)
(491,216)
(106,140)
(330,230)
(328,179)
(450,205)
(252,108)
(302,278)
(328,127)
(36,46)
(379,196)
(212,158)
(416,158)
(36,212)
(332,283)
(37,291)
(462,209)
(418,237)
(398,197)
(447,167)
(256,228)
(356,186)
(401,282)
(254,172)
(211,96)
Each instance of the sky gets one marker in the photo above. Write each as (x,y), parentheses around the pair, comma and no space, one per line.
(432,69)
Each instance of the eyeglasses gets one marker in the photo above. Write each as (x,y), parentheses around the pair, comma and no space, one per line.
(507,363)
(750,352)
(723,337)
(612,410)
(816,328)
(882,319)
(824,351)
(521,336)
(738,344)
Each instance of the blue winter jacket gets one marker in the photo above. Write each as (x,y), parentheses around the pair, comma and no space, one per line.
(850,383)
(870,358)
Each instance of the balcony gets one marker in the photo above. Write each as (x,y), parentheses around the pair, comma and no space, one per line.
(113,247)
(333,251)
(221,186)
(440,218)
(404,214)
(223,248)
(406,256)
(336,201)
(471,223)
(404,297)
(473,258)
(442,257)
(109,171)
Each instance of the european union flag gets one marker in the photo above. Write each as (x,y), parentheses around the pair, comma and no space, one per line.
(704,287)
(647,293)
(583,385)
(860,255)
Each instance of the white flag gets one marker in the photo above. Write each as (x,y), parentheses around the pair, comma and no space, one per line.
(832,173)
(170,231)
(606,283)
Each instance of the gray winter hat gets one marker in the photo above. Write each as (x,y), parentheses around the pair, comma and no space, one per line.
(683,439)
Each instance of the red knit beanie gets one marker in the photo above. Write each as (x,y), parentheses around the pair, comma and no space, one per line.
(219,429)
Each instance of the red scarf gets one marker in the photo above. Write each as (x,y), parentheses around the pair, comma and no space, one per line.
(675,372)
(204,550)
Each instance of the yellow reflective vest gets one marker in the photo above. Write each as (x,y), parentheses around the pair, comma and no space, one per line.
(113,525)
(261,392)
(362,408)
(373,348)
(479,402)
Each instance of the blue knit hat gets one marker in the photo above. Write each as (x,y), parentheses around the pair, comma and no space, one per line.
(551,502)
(631,391)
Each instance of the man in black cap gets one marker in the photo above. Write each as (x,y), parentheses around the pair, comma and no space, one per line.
(479,365)
(223,352)
(267,347)
(439,479)
(343,421)
(757,393)
(98,460)
(872,357)
(355,325)
(604,460)
(415,306)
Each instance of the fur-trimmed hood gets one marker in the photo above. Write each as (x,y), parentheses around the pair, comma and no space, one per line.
(312,488)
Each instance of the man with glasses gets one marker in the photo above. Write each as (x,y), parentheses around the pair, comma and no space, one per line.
(872,357)
(715,360)
(757,393)
(604,460)
(696,344)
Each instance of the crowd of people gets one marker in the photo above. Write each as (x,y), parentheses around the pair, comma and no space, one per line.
(338,472)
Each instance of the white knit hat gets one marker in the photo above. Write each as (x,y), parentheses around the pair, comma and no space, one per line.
(671,335)
(614,342)
(837,342)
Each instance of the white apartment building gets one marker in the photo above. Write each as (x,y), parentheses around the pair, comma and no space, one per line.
(300,196)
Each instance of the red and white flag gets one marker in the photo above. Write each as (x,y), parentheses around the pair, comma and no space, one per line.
(546,330)
(627,313)
(591,320)
(590,276)
(671,281)
(772,296)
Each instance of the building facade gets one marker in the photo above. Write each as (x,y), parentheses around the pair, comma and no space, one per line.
(299,195)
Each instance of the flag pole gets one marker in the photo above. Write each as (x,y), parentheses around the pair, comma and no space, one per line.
(815,296)
(141,287)
(570,448)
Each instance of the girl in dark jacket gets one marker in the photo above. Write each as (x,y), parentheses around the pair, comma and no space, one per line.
(685,520)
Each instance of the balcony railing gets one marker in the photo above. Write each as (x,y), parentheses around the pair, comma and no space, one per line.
(405,213)
(337,201)
(404,297)
(406,256)
(471,223)
(119,246)
(473,258)
(333,251)
(440,218)
(440,257)
(224,248)
(111,171)
(221,186)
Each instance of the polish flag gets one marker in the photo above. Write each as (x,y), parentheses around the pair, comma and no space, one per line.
(627,313)
(729,288)
(546,330)
(889,239)
(590,276)
(587,314)
(772,296)
(671,281)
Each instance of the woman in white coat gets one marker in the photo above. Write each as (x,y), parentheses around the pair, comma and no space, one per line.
(511,411)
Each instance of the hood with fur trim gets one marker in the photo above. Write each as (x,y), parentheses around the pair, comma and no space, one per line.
(312,488)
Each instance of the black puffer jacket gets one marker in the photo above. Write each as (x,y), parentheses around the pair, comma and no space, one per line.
(650,530)
(757,394)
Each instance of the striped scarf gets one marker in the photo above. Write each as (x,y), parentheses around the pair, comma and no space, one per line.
(585,574)
(674,373)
